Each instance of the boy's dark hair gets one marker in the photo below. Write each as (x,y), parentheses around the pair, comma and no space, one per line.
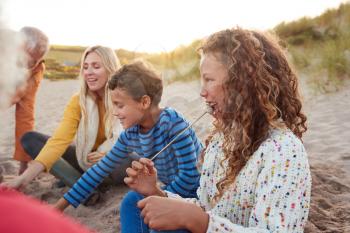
(138,80)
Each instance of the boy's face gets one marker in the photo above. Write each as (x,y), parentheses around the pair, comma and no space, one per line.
(126,109)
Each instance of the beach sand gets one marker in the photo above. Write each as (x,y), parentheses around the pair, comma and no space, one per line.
(327,142)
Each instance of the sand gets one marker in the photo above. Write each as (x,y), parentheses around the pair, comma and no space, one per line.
(327,143)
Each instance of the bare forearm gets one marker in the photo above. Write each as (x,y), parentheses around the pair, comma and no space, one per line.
(33,171)
(30,173)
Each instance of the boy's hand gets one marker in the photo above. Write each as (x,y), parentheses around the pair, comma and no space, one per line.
(61,204)
(142,177)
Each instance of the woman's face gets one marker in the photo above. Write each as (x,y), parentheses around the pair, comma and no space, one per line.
(95,74)
(213,76)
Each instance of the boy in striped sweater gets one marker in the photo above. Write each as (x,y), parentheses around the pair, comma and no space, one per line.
(136,92)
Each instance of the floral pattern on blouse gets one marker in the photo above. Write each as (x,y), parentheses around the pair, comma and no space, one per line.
(270,194)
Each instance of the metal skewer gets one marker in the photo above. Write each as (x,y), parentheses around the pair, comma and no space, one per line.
(136,156)
(177,136)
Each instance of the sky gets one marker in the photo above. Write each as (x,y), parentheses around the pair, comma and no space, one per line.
(151,25)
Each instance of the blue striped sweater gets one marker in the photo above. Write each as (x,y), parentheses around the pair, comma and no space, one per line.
(176,166)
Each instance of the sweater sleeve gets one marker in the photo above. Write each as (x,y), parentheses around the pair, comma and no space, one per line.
(63,135)
(94,176)
(282,193)
(185,151)
(188,199)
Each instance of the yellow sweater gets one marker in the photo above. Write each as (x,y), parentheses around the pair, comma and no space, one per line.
(65,133)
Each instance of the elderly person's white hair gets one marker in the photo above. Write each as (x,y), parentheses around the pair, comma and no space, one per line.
(10,73)
(36,42)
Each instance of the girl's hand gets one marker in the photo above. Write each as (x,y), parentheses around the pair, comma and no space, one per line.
(142,177)
(171,214)
(94,157)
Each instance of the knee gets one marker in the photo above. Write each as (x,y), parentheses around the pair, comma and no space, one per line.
(27,141)
(130,200)
(27,138)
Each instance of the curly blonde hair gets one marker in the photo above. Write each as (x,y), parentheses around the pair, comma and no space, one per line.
(261,93)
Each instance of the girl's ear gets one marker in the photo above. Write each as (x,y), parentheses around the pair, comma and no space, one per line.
(146,101)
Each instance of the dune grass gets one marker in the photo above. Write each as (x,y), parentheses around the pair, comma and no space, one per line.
(319,47)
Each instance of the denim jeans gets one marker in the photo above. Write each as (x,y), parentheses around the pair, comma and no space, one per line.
(130,216)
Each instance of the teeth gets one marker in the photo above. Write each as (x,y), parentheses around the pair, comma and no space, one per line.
(210,109)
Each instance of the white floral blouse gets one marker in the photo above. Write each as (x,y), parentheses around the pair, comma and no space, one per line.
(271,193)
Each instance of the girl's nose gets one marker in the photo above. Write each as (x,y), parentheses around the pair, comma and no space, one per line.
(203,92)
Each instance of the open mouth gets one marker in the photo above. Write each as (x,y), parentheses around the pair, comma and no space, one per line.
(91,81)
(211,107)
(121,120)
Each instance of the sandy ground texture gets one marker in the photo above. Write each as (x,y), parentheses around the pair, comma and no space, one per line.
(327,143)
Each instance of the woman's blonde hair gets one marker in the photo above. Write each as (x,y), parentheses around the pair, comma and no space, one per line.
(261,93)
(111,63)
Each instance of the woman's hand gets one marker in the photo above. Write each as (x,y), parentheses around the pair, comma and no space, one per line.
(94,157)
(161,213)
(61,204)
(27,176)
(142,177)
(15,183)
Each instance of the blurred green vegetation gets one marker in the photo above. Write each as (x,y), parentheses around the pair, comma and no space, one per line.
(319,48)
(181,64)
(63,62)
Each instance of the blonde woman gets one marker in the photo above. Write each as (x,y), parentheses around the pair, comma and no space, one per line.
(87,119)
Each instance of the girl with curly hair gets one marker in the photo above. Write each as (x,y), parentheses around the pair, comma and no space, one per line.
(255,175)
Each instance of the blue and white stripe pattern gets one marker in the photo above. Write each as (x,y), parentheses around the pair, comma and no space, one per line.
(176,166)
